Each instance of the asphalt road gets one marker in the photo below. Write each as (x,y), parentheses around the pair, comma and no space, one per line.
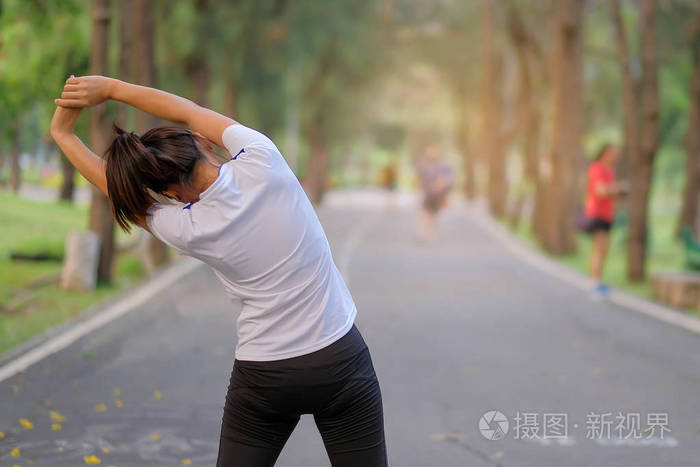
(456,329)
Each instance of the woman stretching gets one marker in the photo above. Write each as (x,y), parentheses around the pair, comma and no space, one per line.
(298,350)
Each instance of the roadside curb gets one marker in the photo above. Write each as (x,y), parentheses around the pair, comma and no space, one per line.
(574,278)
(61,336)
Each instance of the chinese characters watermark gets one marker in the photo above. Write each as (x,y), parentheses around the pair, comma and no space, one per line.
(494,425)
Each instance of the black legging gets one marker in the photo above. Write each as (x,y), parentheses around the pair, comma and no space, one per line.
(336,384)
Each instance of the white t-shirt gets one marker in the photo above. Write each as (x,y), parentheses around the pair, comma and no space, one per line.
(255,226)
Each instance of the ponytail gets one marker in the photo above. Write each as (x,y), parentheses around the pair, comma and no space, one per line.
(159,158)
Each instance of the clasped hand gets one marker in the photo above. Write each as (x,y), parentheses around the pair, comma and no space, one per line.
(84,91)
(78,93)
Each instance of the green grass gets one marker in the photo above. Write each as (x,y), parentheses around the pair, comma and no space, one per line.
(32,226)
(666,251)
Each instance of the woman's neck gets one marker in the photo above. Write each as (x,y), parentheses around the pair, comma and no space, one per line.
(204,174)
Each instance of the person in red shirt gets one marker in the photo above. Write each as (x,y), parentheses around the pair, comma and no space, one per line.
(601,191)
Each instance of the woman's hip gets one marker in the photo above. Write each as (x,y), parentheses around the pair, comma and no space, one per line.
(334,362)
(305,382)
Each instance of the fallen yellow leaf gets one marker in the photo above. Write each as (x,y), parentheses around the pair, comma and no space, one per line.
(55,426)
(2,435)
(100,407)
(157,394)
(105,450)
(155,436)
(118,403)
(26,424)
(117,392)
(186,462)
(57,417)
(15,452)
(92,460)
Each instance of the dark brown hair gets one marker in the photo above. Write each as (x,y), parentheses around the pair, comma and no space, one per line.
(603,149)
(158,158)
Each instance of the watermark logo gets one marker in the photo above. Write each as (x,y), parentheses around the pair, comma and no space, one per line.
(605,428)
(493,425)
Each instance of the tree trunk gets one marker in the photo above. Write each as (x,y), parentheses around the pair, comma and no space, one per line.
(531,141)
(144,68)
(3,157)
(630,150)
(318,162)
(126,52)
(292,121)
(101,220)
(143,64)
(565,157)
(540,217)
(15,170)
(197,65)
(689,212)
(200,77)
(232,82)
(230,100)
(529,113)
(462,97)
(314,131)
(649,130)
(630,97)
(492,103)
(67,190)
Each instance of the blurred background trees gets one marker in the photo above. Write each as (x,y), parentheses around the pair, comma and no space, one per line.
(520,93)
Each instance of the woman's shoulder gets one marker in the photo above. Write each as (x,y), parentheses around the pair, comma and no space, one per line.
(238,137)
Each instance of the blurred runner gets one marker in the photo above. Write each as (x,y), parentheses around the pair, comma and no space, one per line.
(601,191)
(436,179)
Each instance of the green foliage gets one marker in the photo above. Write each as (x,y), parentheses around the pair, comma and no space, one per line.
(42,43)
(332,60)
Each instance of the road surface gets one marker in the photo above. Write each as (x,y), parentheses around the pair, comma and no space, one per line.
(457,329)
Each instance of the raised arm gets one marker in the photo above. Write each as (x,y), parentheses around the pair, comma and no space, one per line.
(85,91)
(89,164)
